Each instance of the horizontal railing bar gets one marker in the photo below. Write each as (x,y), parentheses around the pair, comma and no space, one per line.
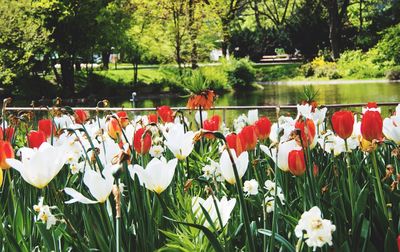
(267,107)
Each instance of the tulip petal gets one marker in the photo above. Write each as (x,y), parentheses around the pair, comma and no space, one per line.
(77,197)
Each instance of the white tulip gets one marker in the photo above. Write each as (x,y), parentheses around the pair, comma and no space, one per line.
(283,152)
(252,116)
(226,165)
(39,166)
(99,187)
(158,174)
(179,142)
(391,128)
(224,205)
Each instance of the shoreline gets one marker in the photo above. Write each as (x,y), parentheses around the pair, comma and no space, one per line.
(325,82)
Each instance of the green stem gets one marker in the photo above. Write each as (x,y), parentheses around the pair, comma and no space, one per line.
(350,180)
(242,203)
(380,196)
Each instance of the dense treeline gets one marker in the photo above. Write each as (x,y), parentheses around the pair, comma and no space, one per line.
(51,39)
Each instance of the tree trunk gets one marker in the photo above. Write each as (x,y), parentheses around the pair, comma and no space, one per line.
(55,71)
(334,27)
(105,58)
(135,73)
(67,73)
(193,34)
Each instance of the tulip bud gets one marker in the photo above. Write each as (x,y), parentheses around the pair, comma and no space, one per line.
(233,142)
(165,113)
(123,118)
(371,125)
(114,129)
(307,130)
(297,164)
(80,116)
(152,118)
(263,128)
(248,138)
(342,123)
(36,138)
(6,151)
(47,127)
(212,124)
(142,143)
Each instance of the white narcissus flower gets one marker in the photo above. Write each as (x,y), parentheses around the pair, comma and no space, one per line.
(156,151)
(226,165)
(224,205)
(252,116)
(250,187)
(270,186)
(318,231)
(204,115)
(179,142)
(39,166)
(269,203)
(158,174)
(330,142)
(44,213)
(99,187)
(283,152)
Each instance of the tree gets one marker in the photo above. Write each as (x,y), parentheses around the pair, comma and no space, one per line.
(22,37)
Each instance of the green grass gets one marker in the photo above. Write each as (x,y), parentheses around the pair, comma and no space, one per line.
(125,75)
(278,72)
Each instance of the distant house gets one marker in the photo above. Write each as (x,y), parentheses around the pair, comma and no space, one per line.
(215,54)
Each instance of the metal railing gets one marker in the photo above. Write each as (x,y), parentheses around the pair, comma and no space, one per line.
(224,109)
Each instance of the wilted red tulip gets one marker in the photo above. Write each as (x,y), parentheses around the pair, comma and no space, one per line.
(47,127)
(36,138)
(248,138)
(165,113)
(153,118)
(142,144)
(114,129)
(212,124)
(342,123)
(307,129)
(263,128)
(7,134)
(80,116)
(233,142)
(371,125)
(123,118)
(6,151)
(296,162)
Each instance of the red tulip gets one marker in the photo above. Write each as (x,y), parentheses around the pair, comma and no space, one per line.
(342,123)
(142,144)
(6,151)
(152,118)
(212,124)
(372,105)
(398,243)
(114,129)
(371,125)
(248,138)
(123,118)
(47,127)
(307,129)
(36,138)
(233,142)
(8,134)
(263,128)
(80,116)
(296,162)
(165,113)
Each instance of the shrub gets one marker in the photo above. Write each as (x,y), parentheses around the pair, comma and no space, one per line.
(240,73)
(389,45)
(324,68)
(307,70)
(393,74)
(358,64)
(217,77)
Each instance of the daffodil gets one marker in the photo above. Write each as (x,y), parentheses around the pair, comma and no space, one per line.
(158,174)
(99,187)
(179,142)
(39,166)
(227,168)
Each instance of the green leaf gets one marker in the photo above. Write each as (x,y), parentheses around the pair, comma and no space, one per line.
(390,241)
(285,243)
(210,236)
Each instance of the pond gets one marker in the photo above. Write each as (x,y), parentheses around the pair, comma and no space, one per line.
(283,94)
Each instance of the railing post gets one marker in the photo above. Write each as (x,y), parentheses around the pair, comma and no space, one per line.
(133,99)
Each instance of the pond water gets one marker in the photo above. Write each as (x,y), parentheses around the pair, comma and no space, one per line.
(285,94)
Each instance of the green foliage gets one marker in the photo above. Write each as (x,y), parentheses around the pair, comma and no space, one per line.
(240,73)
(359,65)
(216,76)
(277,72)
(393,73)
(321,69)
(389,45)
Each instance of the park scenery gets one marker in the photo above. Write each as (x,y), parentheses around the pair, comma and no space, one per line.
(200,125)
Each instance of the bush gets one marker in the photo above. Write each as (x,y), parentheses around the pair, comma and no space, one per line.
(240,73)
(393,74)
(324,68)
(307,70)
(359,65)
(389,45)
(217,77)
